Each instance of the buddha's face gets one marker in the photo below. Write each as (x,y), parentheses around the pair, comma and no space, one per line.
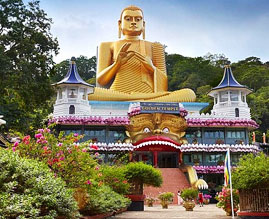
(131,22)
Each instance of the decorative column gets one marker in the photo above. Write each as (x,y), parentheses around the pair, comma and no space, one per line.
(253,137)
(155,159)
(229,98)
(130,156)
(180,154)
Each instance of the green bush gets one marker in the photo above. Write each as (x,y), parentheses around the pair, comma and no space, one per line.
(143,173)
(252,172)
(114,177)
(189,194)
(104,199)
(28,189)
(166,196)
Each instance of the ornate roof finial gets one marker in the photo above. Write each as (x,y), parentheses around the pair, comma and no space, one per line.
(72,76)
(73,60)
(227,64)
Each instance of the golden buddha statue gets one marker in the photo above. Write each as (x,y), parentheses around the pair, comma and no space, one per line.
(132,69)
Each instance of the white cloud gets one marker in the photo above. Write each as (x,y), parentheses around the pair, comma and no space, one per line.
(192,31)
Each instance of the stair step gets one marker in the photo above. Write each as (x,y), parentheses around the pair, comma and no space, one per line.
(173,180)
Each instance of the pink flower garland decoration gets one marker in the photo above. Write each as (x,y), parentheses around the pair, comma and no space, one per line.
(197,122)
(91,120)
(209,169)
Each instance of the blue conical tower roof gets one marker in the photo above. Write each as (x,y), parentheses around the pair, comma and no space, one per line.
(72,76)
(228,80)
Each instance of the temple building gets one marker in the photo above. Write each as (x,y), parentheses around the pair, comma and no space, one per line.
(131,112)
(108,124)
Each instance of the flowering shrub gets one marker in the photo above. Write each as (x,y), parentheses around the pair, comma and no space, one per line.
(66,157)
(77,164)
(206,196)
(28,189)
(224,198)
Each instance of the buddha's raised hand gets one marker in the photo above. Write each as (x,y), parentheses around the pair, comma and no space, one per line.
(124,55)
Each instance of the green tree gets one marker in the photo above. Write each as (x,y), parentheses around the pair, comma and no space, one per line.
(171,60)
(192,73)
(26,57)
(245,70)
(203,97)
(218,60)
(259,104)
(252,172)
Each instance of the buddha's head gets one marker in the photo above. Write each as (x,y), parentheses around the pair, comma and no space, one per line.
(132,22)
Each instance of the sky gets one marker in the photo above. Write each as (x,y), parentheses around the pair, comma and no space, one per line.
(236,28)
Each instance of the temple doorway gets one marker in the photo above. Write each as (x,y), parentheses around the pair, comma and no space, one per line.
(168,159)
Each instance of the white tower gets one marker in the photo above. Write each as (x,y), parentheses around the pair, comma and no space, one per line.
(230,97)
(72,94)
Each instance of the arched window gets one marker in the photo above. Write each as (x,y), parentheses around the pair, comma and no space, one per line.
(236,112)
(234,95)
(224,96)
(71,109)
(72,93)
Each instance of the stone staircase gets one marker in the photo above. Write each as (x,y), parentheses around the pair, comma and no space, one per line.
(173,180)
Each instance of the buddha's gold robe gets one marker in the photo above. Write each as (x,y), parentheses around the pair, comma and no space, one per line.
(133,82)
